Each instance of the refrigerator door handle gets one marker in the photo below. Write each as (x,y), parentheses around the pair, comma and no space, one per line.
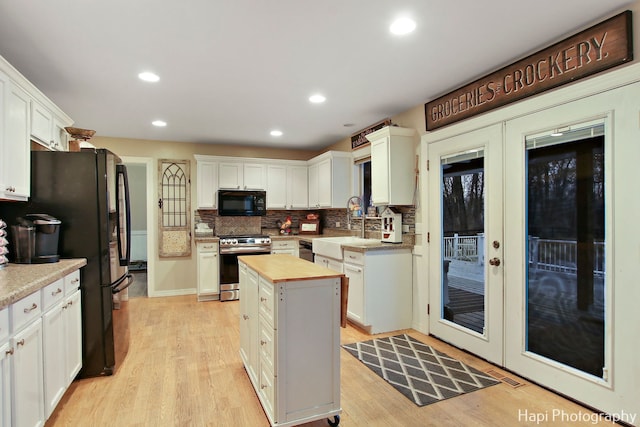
(122,283)
(124,254)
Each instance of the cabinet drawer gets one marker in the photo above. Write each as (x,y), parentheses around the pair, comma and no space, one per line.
(71,282)
(266,301)
(283,244)
(352,257)
(25,310)
(52,293)
(207,247)
(267,390)
(267,346)
(4,323)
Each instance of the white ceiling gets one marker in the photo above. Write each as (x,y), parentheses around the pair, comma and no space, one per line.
(233,70)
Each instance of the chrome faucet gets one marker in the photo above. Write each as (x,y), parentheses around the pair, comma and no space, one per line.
(357,200)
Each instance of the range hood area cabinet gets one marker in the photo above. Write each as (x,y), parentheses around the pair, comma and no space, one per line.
(393,166)
(330,179)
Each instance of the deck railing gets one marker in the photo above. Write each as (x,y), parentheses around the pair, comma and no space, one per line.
(544,254)
(562,255)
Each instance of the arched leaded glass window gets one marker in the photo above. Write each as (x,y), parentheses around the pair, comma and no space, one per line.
(175,206)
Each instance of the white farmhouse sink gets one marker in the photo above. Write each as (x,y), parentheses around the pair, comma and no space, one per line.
(332,246)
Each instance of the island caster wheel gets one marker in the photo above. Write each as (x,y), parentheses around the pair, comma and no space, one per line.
(335,422)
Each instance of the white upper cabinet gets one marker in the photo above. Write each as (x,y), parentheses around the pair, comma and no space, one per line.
(207,184)
(230,176)
(297,187)
(393,164)
(47,129)
(287,186)
(330,180)
(24,110)
(255,176)
(277,187)
(242,176)
(15,168)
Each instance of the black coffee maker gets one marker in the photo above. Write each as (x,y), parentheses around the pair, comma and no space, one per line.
(35,239)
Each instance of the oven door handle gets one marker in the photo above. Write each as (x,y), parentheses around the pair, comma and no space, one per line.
(247,250)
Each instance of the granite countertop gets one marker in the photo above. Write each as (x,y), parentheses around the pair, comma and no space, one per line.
(351,247)
(19,280)
(378,247)
(286,268)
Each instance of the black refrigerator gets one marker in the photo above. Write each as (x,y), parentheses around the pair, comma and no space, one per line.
(88,192)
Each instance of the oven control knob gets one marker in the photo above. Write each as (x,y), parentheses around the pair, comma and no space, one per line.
(233,241)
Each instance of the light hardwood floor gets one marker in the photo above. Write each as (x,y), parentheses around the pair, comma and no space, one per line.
(184,369)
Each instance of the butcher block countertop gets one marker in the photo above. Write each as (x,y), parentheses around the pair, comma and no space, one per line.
(286,268)
(20,280)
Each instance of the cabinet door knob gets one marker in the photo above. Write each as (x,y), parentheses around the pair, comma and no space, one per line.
(57,291)
(21,342)
(245,317)
(262,342)
(263,386)
(263,299)
(494,261)
(9,352)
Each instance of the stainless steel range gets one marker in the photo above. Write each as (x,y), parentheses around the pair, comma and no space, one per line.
(230,248)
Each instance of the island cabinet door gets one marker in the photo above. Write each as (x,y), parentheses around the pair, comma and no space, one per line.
(307,348)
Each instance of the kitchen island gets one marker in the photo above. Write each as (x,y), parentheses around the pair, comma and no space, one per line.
(290,337)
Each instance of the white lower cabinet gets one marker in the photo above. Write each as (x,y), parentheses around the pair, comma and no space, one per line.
(297,334)
(5,383)
(248,319)
(55,378)
(208,271)
(380,289)
(27,376)
(62,345)
(330,263)
(288,246)
(43,353)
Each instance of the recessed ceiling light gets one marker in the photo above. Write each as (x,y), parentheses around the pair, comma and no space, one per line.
(402,26)
(159,123)
(148,77)
(276,132)
(317,98)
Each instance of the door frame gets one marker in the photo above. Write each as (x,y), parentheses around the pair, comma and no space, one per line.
(148,163)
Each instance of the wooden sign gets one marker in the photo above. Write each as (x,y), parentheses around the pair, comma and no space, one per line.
(591,51)
(360,139)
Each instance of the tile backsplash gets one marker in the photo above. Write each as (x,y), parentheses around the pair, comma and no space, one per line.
(225,225)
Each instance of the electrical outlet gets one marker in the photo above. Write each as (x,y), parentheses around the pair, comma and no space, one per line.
(337,224)
(405,228)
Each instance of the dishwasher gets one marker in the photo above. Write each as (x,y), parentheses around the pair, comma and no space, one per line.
(306,250)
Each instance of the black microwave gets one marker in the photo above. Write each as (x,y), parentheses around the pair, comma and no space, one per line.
(242,203)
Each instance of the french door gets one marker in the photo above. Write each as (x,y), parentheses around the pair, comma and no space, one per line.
(466,243)
(531,245)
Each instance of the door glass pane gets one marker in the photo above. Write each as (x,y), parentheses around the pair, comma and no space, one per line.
(463,283)
(566,252)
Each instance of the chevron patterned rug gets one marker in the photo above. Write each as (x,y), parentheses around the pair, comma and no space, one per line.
(421,373)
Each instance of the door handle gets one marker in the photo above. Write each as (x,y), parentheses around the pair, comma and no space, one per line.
(494,261)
